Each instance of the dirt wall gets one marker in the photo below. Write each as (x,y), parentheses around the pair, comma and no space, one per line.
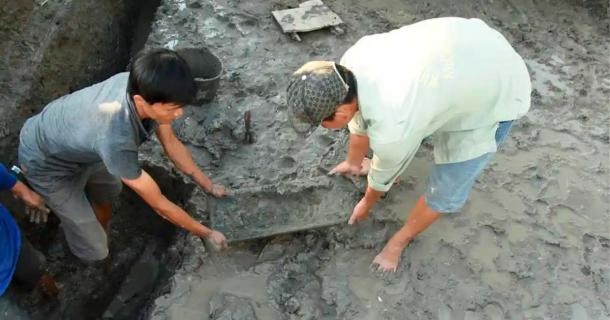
(532,242)
(50,48)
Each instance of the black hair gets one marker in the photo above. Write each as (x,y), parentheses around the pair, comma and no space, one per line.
(352,92)
(350,79)
(161,75)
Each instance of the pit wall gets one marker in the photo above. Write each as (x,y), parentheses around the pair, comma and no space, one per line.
(51,48)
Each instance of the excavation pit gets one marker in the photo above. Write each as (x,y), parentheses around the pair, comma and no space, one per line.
(537,213)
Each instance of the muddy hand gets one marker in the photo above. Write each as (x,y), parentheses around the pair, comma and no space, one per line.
(218,191)
(217,240)
(35,207)
(345,168)
(365,166)
(361,212)
(37,215)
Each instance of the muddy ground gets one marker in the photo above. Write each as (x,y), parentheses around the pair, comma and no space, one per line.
(533,242)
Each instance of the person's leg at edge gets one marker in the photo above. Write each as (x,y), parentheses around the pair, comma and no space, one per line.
(101,189)
(82,228)
(31,271)
(420,218)
(448,189)
(103,213)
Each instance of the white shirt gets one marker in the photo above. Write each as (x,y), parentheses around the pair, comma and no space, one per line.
(452,78)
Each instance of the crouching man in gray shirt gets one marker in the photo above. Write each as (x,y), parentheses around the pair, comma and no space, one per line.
(76,152)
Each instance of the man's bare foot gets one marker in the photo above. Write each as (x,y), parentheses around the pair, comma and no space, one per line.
(389,257)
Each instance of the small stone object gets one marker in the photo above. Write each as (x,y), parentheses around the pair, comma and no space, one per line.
(271,252)
(292,305)
(247,125)
(309,16)
(195,4)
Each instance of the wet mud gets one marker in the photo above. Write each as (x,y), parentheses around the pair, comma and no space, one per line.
(531,243)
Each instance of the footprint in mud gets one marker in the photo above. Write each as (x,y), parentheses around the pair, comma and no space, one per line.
(595,256)
(445,312)
(597,249)
(324,140)
(228,306)
(579,312)
(287,162)
(493,311)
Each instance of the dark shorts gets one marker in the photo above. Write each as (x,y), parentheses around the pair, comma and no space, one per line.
(30,266)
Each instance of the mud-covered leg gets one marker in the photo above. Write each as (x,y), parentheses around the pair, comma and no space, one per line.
(31,271)
(420,218)
(103,213)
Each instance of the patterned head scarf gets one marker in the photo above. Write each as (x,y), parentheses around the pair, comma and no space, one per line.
(314,92)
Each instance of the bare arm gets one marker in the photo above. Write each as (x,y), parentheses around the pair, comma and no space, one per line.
(372,196)
(31,198)
(358,148)
(35,206)
(354,164)
(364,206)
(149,191)
(180,155)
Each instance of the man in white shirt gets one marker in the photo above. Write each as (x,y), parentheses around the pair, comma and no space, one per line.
(454,79)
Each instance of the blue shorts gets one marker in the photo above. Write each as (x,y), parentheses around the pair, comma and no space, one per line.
(449,184)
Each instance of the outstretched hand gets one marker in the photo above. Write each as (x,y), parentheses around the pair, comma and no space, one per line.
(36,209)
(218,191)
(38,215)
(346,168)
(217,240)
(361,212)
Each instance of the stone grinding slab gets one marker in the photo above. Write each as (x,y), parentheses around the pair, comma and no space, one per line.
(262,211)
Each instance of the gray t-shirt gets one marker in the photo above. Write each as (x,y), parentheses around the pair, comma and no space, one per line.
(97,123)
